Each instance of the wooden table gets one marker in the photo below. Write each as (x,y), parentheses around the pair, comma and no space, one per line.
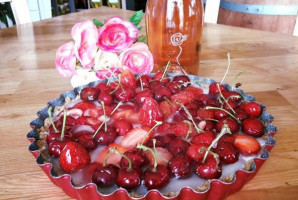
(28,80)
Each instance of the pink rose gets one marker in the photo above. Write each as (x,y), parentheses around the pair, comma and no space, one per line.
(117,34)
(137,58)
(107,73)
(66,60)
(85,37)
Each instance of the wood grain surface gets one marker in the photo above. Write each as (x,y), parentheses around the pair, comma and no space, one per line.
(28,80)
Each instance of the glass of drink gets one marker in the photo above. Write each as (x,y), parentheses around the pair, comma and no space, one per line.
(174,32)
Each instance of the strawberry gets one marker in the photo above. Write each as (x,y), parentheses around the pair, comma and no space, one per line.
(84,105)
(150,112)
(163,156)
(194,91)
(114,158)
(167,109)
(128,79)
(165,128)
(136,136)
(247,145)
(73,157)
(128,113)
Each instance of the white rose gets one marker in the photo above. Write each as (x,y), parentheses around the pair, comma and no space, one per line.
(82,77)
(106,60)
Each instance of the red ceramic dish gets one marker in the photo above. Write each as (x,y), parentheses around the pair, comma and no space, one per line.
(217,189)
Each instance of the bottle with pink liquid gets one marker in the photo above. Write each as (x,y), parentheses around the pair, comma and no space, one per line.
(174,32)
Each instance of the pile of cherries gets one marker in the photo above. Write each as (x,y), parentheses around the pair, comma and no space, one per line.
(152,129)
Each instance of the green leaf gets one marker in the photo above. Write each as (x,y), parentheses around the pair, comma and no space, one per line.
(97,23)
(139,27)
(136,18)
(142,38)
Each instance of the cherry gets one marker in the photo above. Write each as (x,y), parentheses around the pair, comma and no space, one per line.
(253,127)
(227,152)
(205,137)
(53,136)
(89,93)
(196,151)
(124,94)
(220,114)
(145,80)
(106,97)
(232,95)
(232,124)
(161,141)
(215,87)
(162,93)
(107,137)
(230,105)
(175,87)
(180,166)
(210,169)
(122,126)
(178,146)
(253,109)
(88,142)
(136,156)
(105,175)
(103,87)
(127,79)
(205,114)
(182,79)
(141,95)
(156,177)
(210,125)
(129,178)
(212,102)
(155,85)
(55,147)
(241,114)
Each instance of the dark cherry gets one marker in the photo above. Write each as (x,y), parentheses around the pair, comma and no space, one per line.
(105,176)
(182,79)
(89,93)
(213,88)
(122,126)
(180,166)
(178,146)
(205,114)
(212,102)
(232,124)
(129,178)
(231,104)
(162,93)
(227,152)
(205,137)
(158,76)
(103,87)
(232,95)
(53,136)
(124,94)
(145,80)
(175,87)
(141,95)
(155,85)
(106,138)
(253,109)
(88,142)
(210,125)
(106,97)
(241,114)
(137,158)
(210,169)
(220,114)
(158,177)
(196,151)
(55,147)
(253,127)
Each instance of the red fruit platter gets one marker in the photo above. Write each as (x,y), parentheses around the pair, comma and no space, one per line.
(236,162)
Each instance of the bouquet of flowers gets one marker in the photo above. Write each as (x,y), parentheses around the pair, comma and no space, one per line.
(101,50)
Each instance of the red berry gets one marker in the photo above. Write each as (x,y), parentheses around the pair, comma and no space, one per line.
(253,127)
(206,137)
(253,109)
(247,145)
(210,169)
(150,112)
(105,176)
(128,79)
(180,166)
(155,178)
(89,93)
(227,152)
(136,136)
(122,126)
(129,178)
(73,157)
(142,95)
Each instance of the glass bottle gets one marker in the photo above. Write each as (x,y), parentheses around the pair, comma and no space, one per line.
(174,32)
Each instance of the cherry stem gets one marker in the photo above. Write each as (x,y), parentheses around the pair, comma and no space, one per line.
(118,105)
(51,119)
(216,108)
(156,152)
(114,150)
(220,94)
(157,123)
(234,81)
(141,146)
(63,124)
(210,119)
(141,82)
(190,116)
(228,68)
(225,129)
(105,116)
(166,70)
(189,129)
(119,84)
